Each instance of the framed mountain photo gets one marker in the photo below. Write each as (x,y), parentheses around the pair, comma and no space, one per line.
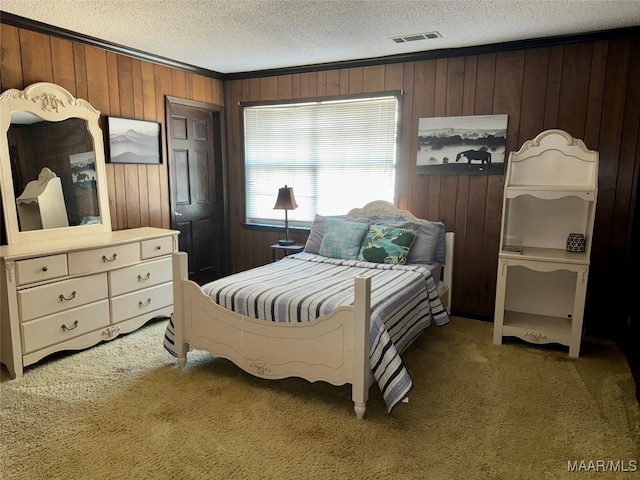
(133,141)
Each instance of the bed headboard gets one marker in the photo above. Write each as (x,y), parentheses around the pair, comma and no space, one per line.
(383,209)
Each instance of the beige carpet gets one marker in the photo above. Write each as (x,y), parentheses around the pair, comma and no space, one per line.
(123,410)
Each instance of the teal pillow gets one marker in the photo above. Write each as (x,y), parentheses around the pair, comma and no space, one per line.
(317,230)
(385,244)
(342,239)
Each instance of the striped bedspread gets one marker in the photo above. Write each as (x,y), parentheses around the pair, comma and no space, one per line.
(303,287)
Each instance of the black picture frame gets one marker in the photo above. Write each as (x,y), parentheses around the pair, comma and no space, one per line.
(133,141)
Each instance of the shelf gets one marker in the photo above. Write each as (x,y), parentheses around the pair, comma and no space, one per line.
(537,328)
(545,255)
(551,192)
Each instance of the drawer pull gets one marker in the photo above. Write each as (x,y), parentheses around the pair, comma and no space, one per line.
(158,247)
(145,304)
(142,279)
(65,328)
(63,298)
(44,269)
(113,257)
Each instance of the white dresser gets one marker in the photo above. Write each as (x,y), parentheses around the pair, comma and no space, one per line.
(72,293)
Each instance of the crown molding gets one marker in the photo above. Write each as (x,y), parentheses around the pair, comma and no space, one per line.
(446,53)
(40,27)
(22,22)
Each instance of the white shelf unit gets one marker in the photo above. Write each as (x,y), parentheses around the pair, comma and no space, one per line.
(550,192)
(42,205)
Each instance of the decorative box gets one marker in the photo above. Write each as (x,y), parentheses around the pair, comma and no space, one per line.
(575,242)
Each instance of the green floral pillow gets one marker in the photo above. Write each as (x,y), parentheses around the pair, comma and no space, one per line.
(387,244)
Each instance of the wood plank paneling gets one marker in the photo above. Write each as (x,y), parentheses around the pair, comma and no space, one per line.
(308,84)
(115,172)
(285,87)
(373,78)
(581,88)
(116,85)
(136,81)
(35,48)
(269,88)
(10,58)
(333,83)
(407,135)
(127,175)
(149,92)
(588,88)
(199,88)
(322,84)
(574,89)
(159,210)
(80,68)
(355,80)
(606,235)
(596,89)
(552,96)
(394,77)
(63,72)
(532,109)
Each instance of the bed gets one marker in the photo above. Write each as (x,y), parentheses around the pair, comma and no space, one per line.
(322,315)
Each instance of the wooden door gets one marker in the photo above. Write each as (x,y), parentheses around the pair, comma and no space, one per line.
(194,133)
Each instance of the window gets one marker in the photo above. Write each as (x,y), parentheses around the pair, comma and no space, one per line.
(336,154)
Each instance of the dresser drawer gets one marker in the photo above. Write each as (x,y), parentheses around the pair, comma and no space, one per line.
(64,295)
(144,275)
(102,259)
(41,268)
(141,302)
(57,328)
(157,247)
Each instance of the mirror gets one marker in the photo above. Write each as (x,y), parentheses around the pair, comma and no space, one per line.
(52,166)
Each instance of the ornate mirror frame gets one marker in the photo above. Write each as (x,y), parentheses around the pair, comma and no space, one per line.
(52,103)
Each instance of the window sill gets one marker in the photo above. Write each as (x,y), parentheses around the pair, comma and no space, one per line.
(275,228)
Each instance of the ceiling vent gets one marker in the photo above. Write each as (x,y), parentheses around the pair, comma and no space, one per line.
(417,36)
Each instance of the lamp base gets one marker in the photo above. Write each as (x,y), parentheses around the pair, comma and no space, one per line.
(286,243)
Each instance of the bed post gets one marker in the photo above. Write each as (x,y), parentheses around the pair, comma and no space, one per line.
(448,270)
(361,334)
(180,274)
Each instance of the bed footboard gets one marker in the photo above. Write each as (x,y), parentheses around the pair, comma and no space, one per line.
(333,348)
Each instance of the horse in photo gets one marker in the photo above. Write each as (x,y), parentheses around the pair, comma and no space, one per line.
(482,155)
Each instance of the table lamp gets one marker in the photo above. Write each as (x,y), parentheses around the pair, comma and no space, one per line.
(286,201)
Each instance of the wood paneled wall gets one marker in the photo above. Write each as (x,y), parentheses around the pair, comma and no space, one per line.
(589,89)
(118,86)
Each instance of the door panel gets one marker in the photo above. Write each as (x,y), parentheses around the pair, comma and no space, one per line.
(197,198)
(203,175)
(181,166)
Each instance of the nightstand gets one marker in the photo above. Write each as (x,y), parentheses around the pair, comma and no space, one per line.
(285,249)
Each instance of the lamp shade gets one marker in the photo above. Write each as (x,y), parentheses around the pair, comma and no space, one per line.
(286,200)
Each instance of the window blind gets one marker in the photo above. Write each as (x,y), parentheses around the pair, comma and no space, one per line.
(335,154)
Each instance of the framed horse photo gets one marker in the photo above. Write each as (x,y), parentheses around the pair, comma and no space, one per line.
(472,145)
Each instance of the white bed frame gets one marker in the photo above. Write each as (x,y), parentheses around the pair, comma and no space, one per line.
(333,348)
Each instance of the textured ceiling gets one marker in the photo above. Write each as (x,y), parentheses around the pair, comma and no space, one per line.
(231,36)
